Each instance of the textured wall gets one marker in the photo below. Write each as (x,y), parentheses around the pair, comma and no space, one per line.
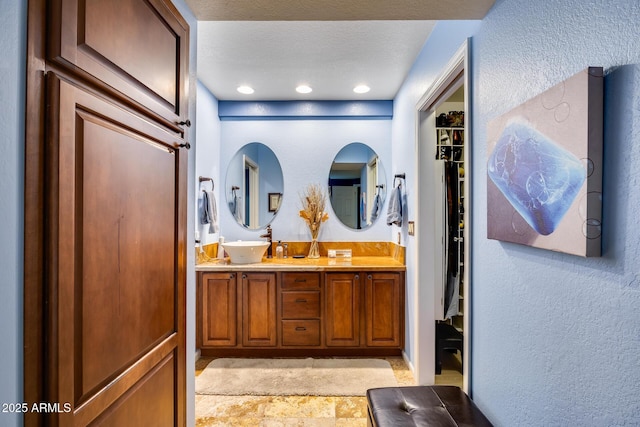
(444,41)
(556,338)
(12,86)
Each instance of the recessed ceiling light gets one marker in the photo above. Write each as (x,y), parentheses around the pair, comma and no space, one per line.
(361,89)
(247,90)
(303,89)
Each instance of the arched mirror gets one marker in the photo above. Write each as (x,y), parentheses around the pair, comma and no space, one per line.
(254,186)
(357,186)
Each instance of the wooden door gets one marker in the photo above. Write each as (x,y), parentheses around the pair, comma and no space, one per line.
(217,310)
(383,306)
(259,310)
(344,200)
(105,185)
(342,309)
(115,317)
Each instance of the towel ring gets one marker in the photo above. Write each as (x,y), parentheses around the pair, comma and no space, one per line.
(204,179)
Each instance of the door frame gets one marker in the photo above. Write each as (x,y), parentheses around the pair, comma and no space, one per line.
(456,70)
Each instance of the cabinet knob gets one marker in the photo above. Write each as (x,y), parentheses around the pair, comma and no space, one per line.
(231,276)
(244,276)
(186,123)
(357,276)
(300,328)
(369,277)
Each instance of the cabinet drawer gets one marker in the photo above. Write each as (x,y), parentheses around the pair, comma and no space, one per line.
(301,332)
(300,305)
(300,281)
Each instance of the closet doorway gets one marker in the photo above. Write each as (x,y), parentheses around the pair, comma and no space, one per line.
(443,147)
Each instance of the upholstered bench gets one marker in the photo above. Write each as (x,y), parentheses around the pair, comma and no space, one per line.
(422,406)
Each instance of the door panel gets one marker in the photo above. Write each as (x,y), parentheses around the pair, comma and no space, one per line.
(259,309)
(148,403)
(343,309)
(218,318)
(106,38)
(383,296)
(116,260)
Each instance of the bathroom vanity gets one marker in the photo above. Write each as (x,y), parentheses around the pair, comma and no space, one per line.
(308,307)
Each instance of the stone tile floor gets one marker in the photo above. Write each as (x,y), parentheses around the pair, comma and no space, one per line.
(299,411)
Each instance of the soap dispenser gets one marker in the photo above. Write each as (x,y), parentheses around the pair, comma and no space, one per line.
(279,250)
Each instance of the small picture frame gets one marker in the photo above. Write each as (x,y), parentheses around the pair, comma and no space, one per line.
(274,201)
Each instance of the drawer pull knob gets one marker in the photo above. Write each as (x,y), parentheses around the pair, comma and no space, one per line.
(301,300)
(300,328)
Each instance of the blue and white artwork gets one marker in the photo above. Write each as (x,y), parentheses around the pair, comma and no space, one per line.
(539,178)
(544,169)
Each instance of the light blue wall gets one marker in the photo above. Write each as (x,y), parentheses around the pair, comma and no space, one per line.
(305,149)
(444,41)
(556,338)
(12,93)
(207,152)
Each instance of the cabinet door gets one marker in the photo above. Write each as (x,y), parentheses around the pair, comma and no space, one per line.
(342,309)
(259,309)
(139,48)
(116,256)
(218,317)
(384,305)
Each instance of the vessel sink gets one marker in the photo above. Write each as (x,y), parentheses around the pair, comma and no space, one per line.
(245,252)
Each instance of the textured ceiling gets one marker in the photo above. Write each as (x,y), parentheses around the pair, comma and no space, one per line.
(332,46)
(337,10)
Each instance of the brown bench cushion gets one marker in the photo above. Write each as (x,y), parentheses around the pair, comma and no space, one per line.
(422,406)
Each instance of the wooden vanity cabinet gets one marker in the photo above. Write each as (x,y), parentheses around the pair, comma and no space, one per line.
(301,313)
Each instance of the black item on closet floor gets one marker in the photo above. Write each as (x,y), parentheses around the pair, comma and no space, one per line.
(447,338)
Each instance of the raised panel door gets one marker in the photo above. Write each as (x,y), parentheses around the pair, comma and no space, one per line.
(383,308)
(218,317)
(259,310)
(116,215)
(342,302)
(138,48)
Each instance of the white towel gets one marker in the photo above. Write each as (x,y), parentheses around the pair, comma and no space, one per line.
(209,211)
(394,211)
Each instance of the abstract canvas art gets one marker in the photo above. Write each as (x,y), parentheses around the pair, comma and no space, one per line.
(544,169)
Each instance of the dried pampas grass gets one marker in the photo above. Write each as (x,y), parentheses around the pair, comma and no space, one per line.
(313,201)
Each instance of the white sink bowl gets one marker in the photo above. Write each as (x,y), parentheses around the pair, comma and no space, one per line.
(245,252)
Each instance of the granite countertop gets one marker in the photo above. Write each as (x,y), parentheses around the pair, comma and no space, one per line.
(358,263)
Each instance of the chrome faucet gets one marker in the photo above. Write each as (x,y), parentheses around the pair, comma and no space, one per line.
(269,236)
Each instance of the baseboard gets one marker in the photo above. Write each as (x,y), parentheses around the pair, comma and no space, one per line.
(405,357)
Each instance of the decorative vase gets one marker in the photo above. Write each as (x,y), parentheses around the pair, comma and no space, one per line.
(314,250)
